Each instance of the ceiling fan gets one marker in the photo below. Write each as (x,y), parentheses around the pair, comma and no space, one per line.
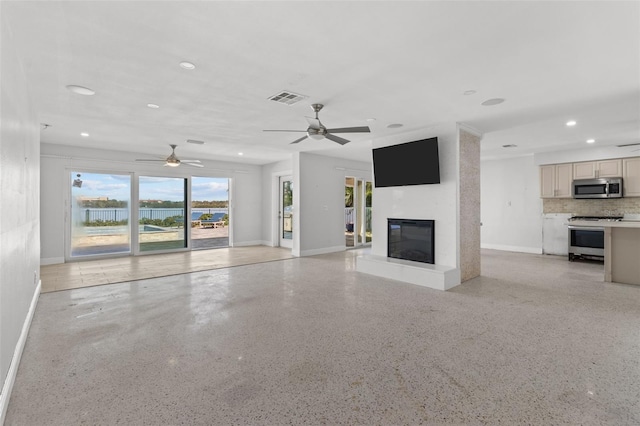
(173,161)
(317,131)
(630,144)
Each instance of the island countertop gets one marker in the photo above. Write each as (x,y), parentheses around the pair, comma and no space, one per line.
(621,248)
(605,223)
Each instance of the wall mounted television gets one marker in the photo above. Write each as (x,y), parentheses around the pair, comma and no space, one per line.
(410,163)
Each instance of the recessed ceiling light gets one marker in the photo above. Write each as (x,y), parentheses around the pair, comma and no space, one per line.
(591,140)
(371,120)
(494,101)
(469,92)
(187,65)
(84,134)
(154,106)
(394,125)
(80,90)
(240,153)
(509,146)
(571,123)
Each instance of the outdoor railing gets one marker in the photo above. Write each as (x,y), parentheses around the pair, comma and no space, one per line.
(121,214)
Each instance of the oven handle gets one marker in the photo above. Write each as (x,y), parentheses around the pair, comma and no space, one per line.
(585,228)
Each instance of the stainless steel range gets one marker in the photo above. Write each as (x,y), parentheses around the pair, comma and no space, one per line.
(588,241)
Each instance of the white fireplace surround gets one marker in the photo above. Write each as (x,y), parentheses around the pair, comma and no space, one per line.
(438,277)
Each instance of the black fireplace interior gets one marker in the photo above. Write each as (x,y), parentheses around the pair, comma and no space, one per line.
(411,240)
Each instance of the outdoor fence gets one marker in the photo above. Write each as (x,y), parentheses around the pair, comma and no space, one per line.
(121,214)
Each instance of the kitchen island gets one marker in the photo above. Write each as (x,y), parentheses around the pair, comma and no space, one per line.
(621,249)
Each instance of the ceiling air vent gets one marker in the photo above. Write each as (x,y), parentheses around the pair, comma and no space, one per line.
(287,97)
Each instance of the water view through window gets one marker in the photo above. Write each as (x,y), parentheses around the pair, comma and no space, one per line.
(99,214)
(162,207)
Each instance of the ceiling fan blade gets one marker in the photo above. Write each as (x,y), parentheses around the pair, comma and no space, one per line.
(284,130)
(140,159)
(191,164)
(299,140)
(190,161)
(314,123)
(335,138)
(362,129)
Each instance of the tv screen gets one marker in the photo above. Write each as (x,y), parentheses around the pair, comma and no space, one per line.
(411,163)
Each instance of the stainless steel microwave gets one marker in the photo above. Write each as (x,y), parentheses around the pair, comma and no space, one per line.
(597,188)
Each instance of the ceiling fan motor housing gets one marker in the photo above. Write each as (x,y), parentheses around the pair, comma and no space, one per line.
(317,134)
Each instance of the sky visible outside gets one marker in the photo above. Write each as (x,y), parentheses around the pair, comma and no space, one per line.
(117,187)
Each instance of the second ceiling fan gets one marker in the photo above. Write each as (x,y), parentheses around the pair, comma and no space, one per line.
(317,130)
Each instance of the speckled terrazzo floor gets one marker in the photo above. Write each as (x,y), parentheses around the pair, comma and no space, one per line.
(536,340)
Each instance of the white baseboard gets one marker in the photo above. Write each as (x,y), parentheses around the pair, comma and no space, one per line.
(51,260)
(17,354)
(520,249)
(323,250)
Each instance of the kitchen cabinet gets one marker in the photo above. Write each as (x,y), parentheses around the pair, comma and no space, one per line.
(631,177)
(597,169)
(555,180)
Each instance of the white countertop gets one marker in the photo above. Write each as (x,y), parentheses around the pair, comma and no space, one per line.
(606,223)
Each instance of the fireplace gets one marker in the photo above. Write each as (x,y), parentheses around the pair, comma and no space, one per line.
(411,239)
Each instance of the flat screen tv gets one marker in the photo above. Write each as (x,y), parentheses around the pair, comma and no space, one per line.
(411,163)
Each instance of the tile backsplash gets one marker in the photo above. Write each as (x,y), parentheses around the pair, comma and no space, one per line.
(612,207)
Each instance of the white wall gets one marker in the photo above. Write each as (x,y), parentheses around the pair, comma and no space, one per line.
(320,201)
(59,160)
(19,212)
(438,202)
(511,206)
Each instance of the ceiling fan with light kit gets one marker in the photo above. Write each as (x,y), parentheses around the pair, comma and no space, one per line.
(317,130)
(173,161)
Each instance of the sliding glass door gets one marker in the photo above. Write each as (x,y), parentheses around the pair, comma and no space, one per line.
(99,214)
(162,207)
(209,212)
(99,220)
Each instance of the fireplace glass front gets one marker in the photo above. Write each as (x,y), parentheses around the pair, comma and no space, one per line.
(411,240)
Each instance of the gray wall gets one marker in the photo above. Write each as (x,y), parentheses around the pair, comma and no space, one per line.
(19,206)
(320,202)
(511,206)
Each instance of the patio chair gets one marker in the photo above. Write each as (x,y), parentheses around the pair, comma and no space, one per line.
(215,221)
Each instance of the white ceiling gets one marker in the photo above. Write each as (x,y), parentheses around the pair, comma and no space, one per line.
(397,62)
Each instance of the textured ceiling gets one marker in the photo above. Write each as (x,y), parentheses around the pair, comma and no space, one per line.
(397,62)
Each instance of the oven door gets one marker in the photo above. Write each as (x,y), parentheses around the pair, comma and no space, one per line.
(586,240)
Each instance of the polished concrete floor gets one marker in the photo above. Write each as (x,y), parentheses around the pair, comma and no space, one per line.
(535,340)
(66,276)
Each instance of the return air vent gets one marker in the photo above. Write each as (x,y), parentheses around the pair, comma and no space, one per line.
(287,97)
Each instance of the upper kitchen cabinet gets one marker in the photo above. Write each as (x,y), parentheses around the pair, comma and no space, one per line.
(631,177)
(555,180)
(597,169)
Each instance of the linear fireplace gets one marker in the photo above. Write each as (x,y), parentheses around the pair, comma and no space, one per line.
(411,239)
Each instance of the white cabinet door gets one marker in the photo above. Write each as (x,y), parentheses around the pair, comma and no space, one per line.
(609,168)
(555,180)
(564,176)
(548,181)
(631,177)
(585,170)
